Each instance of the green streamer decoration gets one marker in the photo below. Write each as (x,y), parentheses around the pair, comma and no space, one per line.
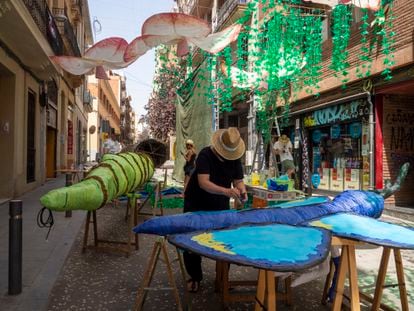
(341,32)
(281,55)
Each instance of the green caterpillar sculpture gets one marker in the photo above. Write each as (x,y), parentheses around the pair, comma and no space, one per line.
(114,176)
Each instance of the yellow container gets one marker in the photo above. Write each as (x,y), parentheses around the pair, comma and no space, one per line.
(255,179)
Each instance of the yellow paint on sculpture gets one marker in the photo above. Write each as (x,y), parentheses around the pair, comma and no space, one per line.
(206,239)
(320,224)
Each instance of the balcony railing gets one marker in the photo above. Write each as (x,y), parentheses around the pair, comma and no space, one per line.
(225,11)
(41,15)
(66,30)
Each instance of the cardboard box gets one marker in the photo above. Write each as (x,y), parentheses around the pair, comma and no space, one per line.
(352,179)
(325,174)
(263,195)
(337,179)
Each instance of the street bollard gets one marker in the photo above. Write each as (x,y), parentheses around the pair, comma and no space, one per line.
(68,183)
(15,247)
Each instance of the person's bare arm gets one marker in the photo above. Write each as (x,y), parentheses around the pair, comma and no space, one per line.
(187,155)
(207,185)
(239,184)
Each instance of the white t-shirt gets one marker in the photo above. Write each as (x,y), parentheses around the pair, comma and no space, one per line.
(284,149)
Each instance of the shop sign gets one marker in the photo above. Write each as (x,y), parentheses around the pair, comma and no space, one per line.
(316,136)
(316,180)
(355,130)
(343,112)
(335,131)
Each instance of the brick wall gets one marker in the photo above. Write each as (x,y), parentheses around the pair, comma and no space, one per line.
(398,134)
(403,27)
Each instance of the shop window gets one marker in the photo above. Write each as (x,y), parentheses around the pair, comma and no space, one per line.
(339,155)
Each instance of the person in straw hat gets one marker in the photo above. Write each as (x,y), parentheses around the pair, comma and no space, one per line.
(218,176)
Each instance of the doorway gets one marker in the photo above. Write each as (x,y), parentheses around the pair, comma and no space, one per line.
(50,152)
(7,132)
(31,128)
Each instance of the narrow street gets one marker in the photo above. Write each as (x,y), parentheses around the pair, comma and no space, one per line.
(102,281)
(278,135)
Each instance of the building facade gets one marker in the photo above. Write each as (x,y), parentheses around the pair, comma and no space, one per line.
(127,116)
(105,118)
(359,135)
(43,112)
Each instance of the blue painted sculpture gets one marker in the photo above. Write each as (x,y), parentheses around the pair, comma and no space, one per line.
(234,235)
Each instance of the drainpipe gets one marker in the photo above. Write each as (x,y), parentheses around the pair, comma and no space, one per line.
(371,143)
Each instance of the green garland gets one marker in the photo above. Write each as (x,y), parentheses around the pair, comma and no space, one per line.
(288,46)
(341,32)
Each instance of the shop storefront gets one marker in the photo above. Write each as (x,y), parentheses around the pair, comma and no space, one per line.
(339,146)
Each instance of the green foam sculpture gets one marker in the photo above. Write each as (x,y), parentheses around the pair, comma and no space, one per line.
(116,175)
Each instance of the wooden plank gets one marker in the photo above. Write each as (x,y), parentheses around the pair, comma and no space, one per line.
(261,288)
(381,278)
(338,241)
(95,228)
(401,280)
(353,279)
(371,300)
(171,276)
(270,291)
(340,283)
(148,274)
(86,234)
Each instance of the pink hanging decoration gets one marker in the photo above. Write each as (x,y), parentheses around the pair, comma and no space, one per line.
(215,42)
(108,53)
(186,28)
(175,24)
(163,28)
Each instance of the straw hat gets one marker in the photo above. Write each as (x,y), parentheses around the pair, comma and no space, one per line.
(228,143)
(284,139)
(189,142)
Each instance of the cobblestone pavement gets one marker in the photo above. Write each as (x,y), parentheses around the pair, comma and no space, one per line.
(109,281)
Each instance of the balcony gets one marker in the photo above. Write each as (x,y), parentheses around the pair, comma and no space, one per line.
(87,102)
(41,15)
(66,30)
(229,8)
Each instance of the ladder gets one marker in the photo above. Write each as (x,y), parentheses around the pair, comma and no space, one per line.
(259,151)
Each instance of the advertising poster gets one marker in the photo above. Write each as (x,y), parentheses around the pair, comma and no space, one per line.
(365,140)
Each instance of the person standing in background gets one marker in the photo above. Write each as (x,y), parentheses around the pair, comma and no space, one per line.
(189,156)
(283,147)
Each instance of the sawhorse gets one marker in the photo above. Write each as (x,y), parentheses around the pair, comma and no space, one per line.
(159,246)
(157,202)
(127,245)
(223,284)
(348,265)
